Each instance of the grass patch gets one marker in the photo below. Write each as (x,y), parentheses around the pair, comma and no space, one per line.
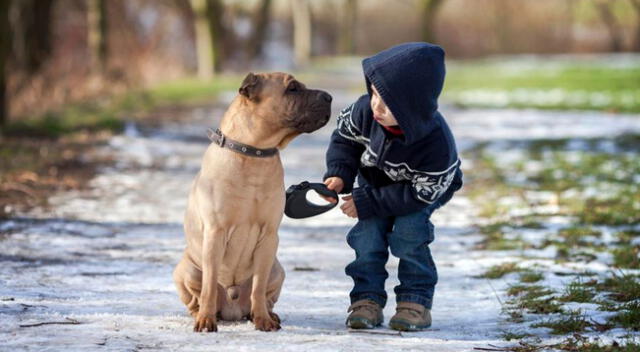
(621,288)
(565,85)
(508,335)
(629,317)
(573,322)
(625,237)
(531,276)
(626,257)
(529,291)
(497,239)
(540,306)
(109,113)
(622,208)
(500,270)
(577,343)
(578,236)
(577,291)
(535,299)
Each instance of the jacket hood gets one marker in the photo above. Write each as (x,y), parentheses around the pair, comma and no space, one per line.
(409,78)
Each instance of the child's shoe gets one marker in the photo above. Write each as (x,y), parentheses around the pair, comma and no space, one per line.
(365,314)
(410,317)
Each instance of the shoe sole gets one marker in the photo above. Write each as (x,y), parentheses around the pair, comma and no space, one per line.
(361,323)
(406,326)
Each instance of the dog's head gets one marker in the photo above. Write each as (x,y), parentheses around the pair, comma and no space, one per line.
(283,102)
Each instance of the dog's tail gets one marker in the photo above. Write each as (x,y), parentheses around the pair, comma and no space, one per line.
(233,292)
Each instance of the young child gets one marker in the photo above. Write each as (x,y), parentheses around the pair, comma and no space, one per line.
(400,147)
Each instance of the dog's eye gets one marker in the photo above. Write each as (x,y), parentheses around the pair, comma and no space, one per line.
(293,87)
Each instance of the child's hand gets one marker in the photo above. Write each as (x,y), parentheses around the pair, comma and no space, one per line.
(349,207)
(334,184)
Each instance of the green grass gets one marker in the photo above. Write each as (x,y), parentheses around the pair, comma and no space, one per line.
(571,322)
(621,288)
(508,336)
(500,270)
(626,257)
(540,306)
(109,113)
(496,240)
(531,276)
(629,317)
(595,191)
(577,291)
(534,299)
(528,292)
(547,85)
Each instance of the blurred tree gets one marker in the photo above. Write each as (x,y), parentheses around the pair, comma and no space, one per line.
(218,32)
(97,27)
(5,49)
(36,23)
(347,27)
(429,14)
(636,42)
(605,11)
(209,32)
(301,14)
(204,42)
(260,23)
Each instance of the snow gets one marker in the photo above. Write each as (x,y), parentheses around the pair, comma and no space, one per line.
(104,256)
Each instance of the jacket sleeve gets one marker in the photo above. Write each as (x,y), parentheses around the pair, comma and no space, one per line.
(346,146)
(424,189)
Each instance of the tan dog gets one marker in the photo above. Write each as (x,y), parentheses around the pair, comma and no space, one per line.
(229,268)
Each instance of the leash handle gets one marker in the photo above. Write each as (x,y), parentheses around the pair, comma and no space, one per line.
(298,207)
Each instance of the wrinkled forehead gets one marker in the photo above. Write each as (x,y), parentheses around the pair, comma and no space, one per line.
(277,78)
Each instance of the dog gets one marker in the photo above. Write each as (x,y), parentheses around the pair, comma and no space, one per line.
(229,269)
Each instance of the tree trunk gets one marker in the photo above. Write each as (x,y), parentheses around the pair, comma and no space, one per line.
(215,11)
(260,24)
(301,31)
(5,49)
(97,35)
(347,28)
(610,21)
(36,24)
(429,14)
(203,38)
(636,40)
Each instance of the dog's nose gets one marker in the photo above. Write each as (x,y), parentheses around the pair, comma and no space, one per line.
(326,97)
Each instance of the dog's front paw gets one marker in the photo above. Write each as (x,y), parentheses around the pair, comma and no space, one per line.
(206,323)
(266,323)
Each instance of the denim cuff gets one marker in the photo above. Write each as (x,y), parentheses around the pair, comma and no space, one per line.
(382,301)
(408,297)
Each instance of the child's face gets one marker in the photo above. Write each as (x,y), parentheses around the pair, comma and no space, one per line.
(381,112)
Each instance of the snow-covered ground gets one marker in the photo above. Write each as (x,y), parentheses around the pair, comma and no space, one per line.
(103,257)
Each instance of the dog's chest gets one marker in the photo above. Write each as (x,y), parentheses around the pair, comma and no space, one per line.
(238,260)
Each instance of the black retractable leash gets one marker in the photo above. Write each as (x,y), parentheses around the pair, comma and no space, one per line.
(297,205)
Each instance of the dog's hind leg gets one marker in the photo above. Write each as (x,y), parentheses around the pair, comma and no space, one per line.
(188,280)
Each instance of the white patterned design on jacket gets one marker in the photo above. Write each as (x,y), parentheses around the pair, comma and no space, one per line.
(427,186)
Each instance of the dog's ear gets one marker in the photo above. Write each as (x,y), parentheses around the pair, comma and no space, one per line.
(250,86)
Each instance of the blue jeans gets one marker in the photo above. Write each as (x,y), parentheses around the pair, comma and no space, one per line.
(408,237)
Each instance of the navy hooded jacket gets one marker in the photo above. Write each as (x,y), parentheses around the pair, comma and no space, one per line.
(397,176)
